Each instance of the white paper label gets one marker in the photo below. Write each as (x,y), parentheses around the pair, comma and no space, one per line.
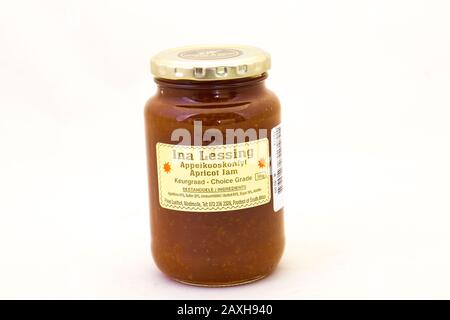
(277,172)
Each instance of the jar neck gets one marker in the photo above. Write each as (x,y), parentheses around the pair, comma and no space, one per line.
(210,90)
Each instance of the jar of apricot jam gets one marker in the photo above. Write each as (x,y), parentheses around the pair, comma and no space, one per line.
(214,163)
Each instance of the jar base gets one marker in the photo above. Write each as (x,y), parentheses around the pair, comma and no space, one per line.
(220,284)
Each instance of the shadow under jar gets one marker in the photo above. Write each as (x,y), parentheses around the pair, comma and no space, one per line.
(214,162)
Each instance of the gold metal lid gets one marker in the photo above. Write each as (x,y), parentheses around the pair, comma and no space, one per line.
(207,63)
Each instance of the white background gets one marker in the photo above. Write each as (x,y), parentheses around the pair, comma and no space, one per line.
(365,87)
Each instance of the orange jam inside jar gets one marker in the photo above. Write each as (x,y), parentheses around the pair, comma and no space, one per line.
(214,164)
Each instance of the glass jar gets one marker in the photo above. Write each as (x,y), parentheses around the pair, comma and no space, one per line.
(214,163)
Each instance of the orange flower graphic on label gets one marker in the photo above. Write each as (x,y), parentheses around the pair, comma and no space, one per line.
(167,167)
(262,163)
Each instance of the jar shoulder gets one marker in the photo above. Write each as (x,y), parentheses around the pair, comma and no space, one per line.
(250,105)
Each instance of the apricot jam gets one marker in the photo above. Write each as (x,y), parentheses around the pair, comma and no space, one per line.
(214,163)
